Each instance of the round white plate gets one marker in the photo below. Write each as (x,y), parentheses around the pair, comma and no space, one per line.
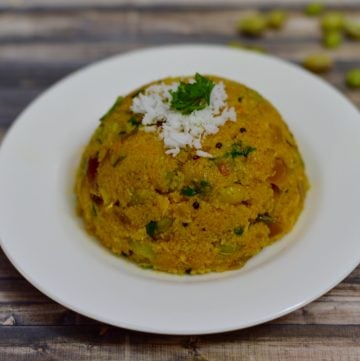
(44,239)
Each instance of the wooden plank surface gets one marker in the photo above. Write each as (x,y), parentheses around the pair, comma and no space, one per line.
(43,40)
(139,4)
(40,4)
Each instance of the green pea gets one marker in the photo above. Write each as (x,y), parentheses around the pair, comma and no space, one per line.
(332,21)
(276,19)
(352,78)
(164,224)
(252,25)
(352,30)
(144,250)
(318,63)
(227,249)
(314,9)
(332,39)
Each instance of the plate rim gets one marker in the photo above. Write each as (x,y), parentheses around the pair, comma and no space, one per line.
(135,327)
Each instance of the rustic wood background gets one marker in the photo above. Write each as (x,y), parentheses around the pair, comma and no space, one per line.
(43,40)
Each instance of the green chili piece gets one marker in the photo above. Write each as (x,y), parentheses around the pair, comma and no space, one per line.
(264,217)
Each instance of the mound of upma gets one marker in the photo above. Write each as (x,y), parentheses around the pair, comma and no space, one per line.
(191,175)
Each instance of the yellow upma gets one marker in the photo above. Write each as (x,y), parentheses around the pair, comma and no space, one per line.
(187,213)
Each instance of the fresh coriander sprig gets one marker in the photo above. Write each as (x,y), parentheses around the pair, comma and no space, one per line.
(192,96)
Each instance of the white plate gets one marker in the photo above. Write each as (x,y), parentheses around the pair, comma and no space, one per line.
(44,239)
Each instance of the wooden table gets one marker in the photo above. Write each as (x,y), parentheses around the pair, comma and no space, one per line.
(43,40)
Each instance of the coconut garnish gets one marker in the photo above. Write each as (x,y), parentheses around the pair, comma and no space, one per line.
(183,114)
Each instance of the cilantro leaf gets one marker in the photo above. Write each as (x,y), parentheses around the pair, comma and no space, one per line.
(192,96)
(189,191)
(239,231)
(151,228)
(134,122)
(202,188)
(238,150)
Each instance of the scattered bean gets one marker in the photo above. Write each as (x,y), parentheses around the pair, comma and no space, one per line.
(352,30)
(332,21)
(315,8)
(332,39)
(276,19)
(253,25)
(352,78)
(318,63)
